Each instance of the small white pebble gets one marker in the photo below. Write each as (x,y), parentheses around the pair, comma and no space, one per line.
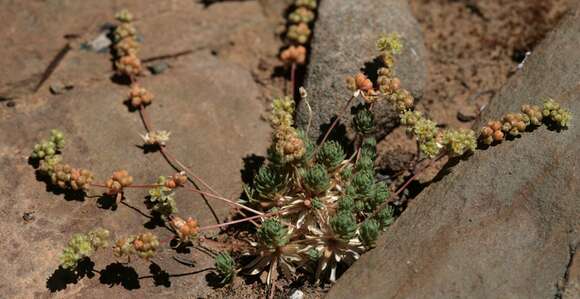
(297,294)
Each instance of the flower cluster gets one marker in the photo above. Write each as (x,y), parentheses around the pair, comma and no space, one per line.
(388,86)
(126,46)
(186,229)
(145,245)
(65,177)
(424,130)
(513,124)
(288,143)
(432,141)
(157,138)
(294,54)
(299,31)
(82,246)
(119,180)
(50,164)
(491,132)
(139,96)
(558,115)
(47,149)
(161,199)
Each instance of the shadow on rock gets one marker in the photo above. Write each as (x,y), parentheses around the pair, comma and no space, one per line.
(252,164)
(107,202)
(148,148)
(337,134)
(371,68)
(160,276)
(61,277)
(119,274)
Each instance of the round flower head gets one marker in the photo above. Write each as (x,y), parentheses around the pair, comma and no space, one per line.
(294,54)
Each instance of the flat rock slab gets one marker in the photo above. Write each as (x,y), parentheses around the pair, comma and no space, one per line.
(212,110)
(344,43)
(240,32)
(505,223)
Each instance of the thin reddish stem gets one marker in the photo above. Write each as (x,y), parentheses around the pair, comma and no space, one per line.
(172,158)
(293,79)
(145,186)
(334,123)
(210,227)
(229,201)
(145,118)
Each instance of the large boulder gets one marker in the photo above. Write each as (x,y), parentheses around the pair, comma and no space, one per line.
(212,111)
(344,43)
(505,223)
(209,101)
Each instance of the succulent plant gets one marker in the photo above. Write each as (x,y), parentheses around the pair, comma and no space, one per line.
(273,234)
(225,266)
(344,225)
(269,182)
(316,179)
(385,217)
(369,232)
(330,155)
(369,148)
(364,121)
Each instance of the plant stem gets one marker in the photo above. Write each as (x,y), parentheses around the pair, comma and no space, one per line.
(172,159)
(173,162)
(229,201)
(210,227)
(145,118)
(146,186)
(342,112)
(293,79)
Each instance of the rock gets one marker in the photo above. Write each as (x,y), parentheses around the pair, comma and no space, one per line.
(506,222)
(297,294)
(571,283)
(158,68)
(182,26)
(57,88)
(213,111)
(344,43)
(99,44)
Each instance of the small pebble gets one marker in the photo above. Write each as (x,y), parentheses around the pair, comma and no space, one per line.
(28,216)
(59,88)
(158,68)
(465,117)
(100,44)
(297,294)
